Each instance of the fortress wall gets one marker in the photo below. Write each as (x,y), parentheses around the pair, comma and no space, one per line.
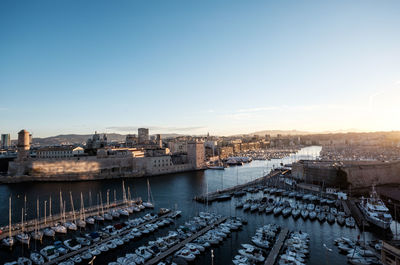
(357,173)
(368,174)
(86,168)
(72,169)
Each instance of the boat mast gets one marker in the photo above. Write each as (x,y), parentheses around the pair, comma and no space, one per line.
(45,208)
(61,204)
(149,197)
(25,206)
(37,215)
(82,208)
(9,218)
(90,198)
(108,199)
(101,204)
(98,205)
(129,196)
(22,220)
(50,209)
(72,205)
(123,192)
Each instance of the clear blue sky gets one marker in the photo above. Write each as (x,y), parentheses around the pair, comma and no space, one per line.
(225,67)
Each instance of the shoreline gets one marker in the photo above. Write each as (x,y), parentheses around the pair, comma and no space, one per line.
(77,178)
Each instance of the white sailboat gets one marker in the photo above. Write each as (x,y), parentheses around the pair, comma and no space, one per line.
(149,203)
(9,241)
(68,225)
(59,228)
(48,231)
(81,222)
(23,237)
(37,234)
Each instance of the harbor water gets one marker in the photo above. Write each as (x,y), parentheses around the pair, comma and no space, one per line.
(176,191)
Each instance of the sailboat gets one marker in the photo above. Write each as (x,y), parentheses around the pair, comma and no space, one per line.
(48,231)
(149,203)
(99,217)
(59,228)
(90,220)
(9,241)
(81,222)
(114,213)
(23,237)
(124,211)
(68,225)
(108,216)
(37,234)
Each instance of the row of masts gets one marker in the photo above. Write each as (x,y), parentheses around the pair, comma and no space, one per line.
(49,218)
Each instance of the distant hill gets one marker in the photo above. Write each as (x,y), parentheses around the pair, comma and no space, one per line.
(66,139)
(283,132)
(296,132)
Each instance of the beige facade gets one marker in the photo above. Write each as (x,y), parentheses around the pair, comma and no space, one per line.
(196,154)
(59,152)
(109,163)
(24,144)
(177,147)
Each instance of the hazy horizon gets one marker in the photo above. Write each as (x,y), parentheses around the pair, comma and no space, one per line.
(223,67)
(156,131)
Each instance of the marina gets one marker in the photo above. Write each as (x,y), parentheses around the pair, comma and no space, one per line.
(199,132)
(119,235)
(176,247)
(179,195)
(273,255)
(42,223)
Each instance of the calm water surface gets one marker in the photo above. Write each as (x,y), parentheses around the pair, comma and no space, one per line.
(177,191)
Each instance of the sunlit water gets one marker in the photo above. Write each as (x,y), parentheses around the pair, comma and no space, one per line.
(177,191)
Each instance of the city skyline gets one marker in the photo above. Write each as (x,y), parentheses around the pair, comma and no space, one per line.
(225,67)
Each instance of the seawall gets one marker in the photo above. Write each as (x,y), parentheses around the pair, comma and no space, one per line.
(88,168)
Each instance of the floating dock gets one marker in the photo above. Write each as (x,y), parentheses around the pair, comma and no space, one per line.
(181,244)
(356,213)
(213,196)
(122,233)
(30,225)
(273,254)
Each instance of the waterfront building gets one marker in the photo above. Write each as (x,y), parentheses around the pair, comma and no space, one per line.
(5,141)
(24,144)
(196,154)
(96,142)
(120,152)
(143,135)
(177,147)
(59,151)
(131,140)
(159,140)
(225,152)
(71,163)
(344,173)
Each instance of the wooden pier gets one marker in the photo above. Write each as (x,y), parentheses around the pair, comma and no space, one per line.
(30,225)
(122,233)
(273,254)
(213,196)
(346,208)
(356,213)
(181,244)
